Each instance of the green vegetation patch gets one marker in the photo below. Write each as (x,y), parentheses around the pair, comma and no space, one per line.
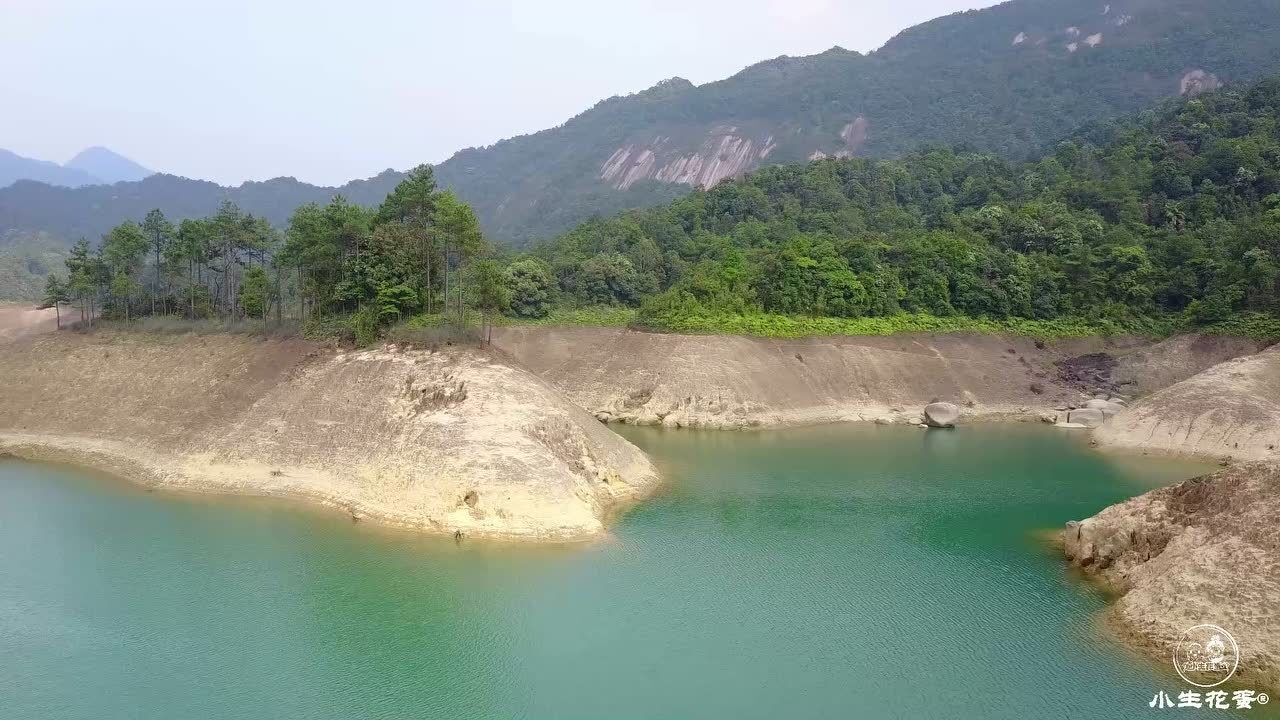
(786,326)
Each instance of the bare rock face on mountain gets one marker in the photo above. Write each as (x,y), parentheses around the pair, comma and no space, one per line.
(1231,410)
(446,441)
(1204,551)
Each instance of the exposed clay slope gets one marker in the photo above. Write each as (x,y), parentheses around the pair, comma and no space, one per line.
(438,441)
(19,320)
(1145,370)
(1204,551)
(721,381)
(1231,410)
(731,381)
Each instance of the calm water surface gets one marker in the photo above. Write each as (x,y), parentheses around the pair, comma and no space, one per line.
(833,572)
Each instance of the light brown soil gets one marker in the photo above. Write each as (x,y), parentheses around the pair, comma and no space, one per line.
(444,441)
(1145,370)
(1204,551)
(1231,410)
(736,382)
(21,320)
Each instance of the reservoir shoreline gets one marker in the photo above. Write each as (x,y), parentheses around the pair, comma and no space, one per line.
(512,444)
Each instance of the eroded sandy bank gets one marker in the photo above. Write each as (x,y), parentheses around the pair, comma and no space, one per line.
(1206,550)
(441,441)
(729,382)
(1230,411)
(1203,551)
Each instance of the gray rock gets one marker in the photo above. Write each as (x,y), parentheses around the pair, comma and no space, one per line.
(1088,417)
(1109,408)
(941,414)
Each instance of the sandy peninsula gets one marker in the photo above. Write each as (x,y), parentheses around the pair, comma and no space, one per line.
(444,441)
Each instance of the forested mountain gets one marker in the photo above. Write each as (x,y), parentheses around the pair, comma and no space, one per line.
(90,211)
(1007,80)
(1167,218)
(1174,213)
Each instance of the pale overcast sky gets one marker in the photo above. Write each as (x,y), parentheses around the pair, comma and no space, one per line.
(329,91)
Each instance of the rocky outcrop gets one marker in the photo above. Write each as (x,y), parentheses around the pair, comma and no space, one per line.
(1198,82)
(723,154)
(1087,417)
(941,415)
(455,440)
(726,151)
(1204,551)
(1231,410)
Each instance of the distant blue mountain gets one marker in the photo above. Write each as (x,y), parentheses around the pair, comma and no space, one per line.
(109,167)
(93,166)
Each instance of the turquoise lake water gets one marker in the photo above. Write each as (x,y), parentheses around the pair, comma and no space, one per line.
(830,572)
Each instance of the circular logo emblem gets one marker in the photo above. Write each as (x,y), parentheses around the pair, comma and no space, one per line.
(1206,656)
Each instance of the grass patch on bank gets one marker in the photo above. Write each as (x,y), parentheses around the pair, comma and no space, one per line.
(595,316)
(437,329)
(786,326)
(1252,325)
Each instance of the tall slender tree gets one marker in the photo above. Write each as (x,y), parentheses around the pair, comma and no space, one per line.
(159,232)
(55,293)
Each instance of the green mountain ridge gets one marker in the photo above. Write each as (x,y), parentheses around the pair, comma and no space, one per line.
(1167,218)
(1011,79)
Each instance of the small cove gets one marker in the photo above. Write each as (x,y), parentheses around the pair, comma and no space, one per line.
(835,571)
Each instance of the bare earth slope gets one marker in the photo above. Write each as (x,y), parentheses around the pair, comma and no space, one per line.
(1231,410)
(1207,550)
(1204,551)
(443,441)
(20,320)
(718,381)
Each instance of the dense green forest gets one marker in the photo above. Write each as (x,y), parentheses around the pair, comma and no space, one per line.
(350,269)
(1175,213)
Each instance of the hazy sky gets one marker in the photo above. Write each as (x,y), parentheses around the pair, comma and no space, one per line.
(231,90)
